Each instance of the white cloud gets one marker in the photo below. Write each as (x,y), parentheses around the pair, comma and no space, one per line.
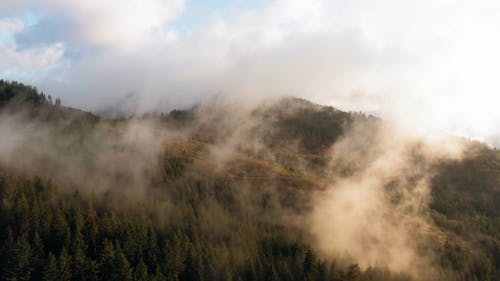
(119,23)
(426,63)
(29,64)
(10,25)
(108,23)
(18,63)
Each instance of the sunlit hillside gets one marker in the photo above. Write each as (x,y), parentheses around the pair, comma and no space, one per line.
(284,190)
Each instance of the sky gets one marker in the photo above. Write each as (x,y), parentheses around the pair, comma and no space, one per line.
(429,64)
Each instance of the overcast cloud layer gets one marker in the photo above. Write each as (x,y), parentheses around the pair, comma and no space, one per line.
(428,64)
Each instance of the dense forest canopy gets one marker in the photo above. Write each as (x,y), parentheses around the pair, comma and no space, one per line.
(289,190)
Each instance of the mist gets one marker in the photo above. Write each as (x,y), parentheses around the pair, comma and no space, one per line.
(369,202)
(92,159)
(376,209)
(426,68)
(188,99)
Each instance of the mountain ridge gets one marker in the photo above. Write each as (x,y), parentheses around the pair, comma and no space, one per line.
(217,171)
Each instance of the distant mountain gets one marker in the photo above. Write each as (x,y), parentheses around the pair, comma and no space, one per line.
(235,193)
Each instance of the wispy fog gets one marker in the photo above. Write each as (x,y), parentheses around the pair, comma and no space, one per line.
(429,64)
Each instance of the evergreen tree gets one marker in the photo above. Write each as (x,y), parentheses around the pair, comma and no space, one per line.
(192,268)
(106,259)
(120,269)
(18,267)
(79,264)
(51,271)
(38,256)
(309,266)
(141,271)
(64,266)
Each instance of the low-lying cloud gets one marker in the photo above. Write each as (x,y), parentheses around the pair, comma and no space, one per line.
(369,201)
(376,207)
(429,64)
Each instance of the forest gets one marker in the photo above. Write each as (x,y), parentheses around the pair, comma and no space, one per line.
(213,193)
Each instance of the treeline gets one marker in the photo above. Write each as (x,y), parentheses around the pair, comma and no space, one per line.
(27,102)
(314,127)
(18,92)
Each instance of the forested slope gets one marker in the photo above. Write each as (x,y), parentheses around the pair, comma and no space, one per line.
(204,194)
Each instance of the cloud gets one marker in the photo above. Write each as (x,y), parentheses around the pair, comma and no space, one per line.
(429,64)
(47,30)
(9,25)
(32,59)
(119,23)
(18,63)
(376,207)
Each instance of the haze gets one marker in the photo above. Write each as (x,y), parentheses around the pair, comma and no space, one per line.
(425,64)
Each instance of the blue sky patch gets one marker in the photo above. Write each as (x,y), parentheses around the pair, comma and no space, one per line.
(199,13)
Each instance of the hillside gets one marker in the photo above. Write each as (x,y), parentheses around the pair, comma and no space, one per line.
(287,190)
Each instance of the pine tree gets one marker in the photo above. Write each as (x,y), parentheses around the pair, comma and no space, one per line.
(91,230)
(64,265)
(353,273)
(121,269)
(79,264)
(141,271)
(60,232)
(38,256)
(309,266)
(192,268)
(106,259)
(251,274)
(272,274)
(18,265)
(51,272)
(92,271)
